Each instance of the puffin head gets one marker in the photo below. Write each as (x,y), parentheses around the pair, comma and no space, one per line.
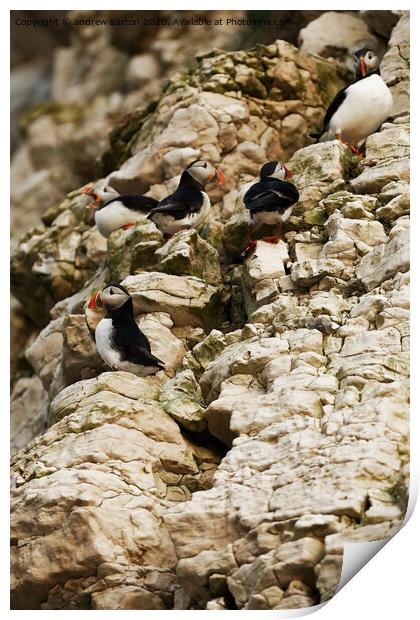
(89,190)
(365,61)
(276,170)
(112,297)
(204,172)
(99,195)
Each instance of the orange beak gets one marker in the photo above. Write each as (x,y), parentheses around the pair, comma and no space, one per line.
(89,191)
(288,173)
(220,176)
(92,301)
(362,66)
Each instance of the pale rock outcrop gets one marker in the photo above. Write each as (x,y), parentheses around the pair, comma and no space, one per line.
(187,299)
(283,478)
(165,345)
(280,429)
(386,260)
(66,103)
(111,445)
(45,355)
(188,254)
(395,67)
(387,158)
(263,270)
(181,398)
(309,272)
(28,412)
(337,34)
(133,250)
(55,260)
(381,22)
(215,110)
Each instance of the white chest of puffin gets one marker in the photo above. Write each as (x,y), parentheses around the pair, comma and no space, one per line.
(189,205)
(269,201)
(119,340)
(114,211)
(122,212)
(359,110)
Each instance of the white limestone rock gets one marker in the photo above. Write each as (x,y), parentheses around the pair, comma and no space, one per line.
(101,492)
(385,260)
(187,254)
(336,33)
(181,398)
(263,268)
(28,412)
(188,300)
(309,272)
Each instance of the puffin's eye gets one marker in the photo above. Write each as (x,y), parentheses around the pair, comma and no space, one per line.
(111,291)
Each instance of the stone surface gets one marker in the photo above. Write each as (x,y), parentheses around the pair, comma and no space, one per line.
(122,460)
(188,300)
(263,268)
(395,67)
(337,34)
(181,398)
(280,429)
(381,22)
(310,271)
(386,159)
(187,254)
(386,260)
(28,412)
(215,111)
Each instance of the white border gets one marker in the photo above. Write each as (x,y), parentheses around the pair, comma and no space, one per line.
(387,585)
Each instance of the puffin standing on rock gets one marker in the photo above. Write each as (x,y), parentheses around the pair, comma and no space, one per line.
(269,201)
(120,211)
(358,110)
(189,205)
(119,340)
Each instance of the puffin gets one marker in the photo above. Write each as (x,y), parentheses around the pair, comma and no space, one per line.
(120,211)
(119,340)
(189,205)
(358,110)
(269,201)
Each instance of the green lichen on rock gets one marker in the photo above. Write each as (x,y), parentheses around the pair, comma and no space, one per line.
(134,250)
(186,253)
(399,494)
(121,137)
(235,233)
(350,205)
(181,399)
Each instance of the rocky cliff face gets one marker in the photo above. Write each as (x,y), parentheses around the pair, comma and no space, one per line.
(65,104)
(280,430)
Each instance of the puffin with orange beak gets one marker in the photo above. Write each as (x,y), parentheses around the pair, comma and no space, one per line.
(113,211)
(189,205)
(358,110)
(119,340)
(100,193)
(269,201)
